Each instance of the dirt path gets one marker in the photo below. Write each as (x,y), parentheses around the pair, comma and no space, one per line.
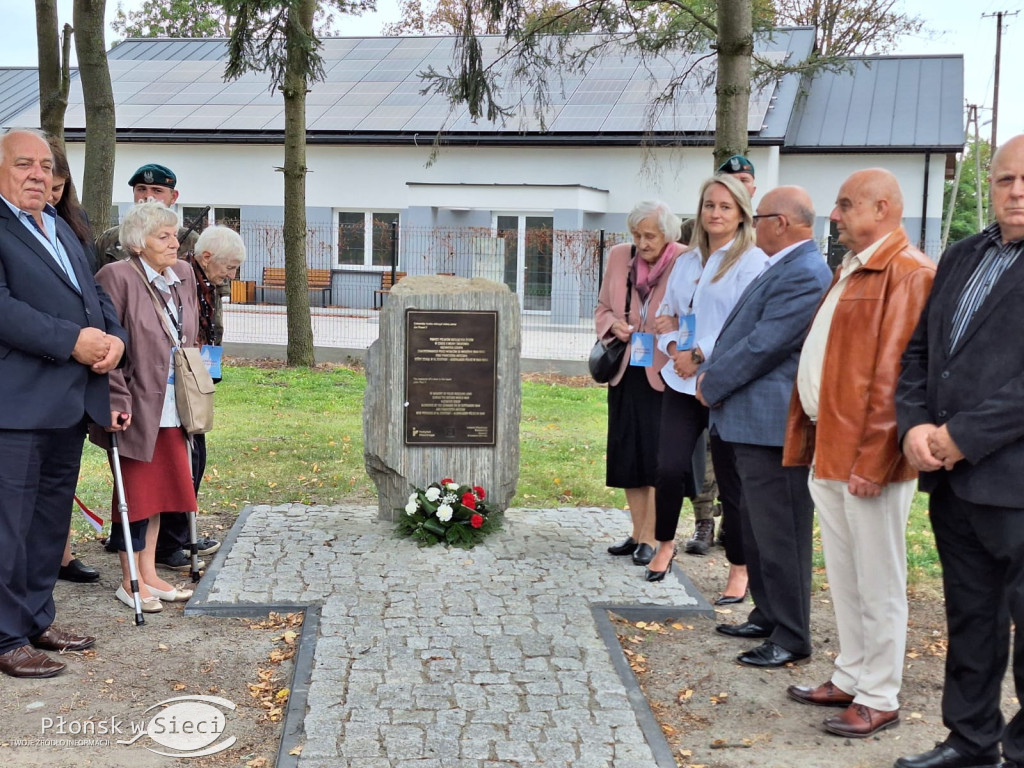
(72,719)
(718,714)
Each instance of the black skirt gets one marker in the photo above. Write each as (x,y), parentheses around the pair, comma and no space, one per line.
(634,419)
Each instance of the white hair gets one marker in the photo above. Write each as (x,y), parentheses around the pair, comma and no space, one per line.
(670,225)
(222,243)
(143,220)
(31,131)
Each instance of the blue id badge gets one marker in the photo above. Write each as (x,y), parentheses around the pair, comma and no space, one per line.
(212,357)
(642,350)
(687,331)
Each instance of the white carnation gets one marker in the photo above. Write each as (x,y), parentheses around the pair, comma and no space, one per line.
(410,508)
(413,497)
(444,513)
(452,486)
(433,493)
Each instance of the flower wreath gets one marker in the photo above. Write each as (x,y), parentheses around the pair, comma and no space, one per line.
(447,512)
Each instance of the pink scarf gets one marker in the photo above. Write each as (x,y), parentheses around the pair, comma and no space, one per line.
(646,276)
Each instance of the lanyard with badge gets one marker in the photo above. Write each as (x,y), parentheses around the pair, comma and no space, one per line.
(642,344)
(687,324)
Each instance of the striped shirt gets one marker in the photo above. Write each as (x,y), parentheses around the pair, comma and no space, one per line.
(998,258)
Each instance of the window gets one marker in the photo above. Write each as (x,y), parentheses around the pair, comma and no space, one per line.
(365,238)
(228,217)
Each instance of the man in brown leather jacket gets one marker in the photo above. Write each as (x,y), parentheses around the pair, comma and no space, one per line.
(842,422)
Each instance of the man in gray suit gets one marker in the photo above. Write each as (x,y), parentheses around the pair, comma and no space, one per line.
(747,383)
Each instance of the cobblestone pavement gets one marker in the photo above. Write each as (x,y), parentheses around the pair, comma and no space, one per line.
(438,658)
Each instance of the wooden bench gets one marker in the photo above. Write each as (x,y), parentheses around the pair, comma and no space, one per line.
(316,280)
(385,287)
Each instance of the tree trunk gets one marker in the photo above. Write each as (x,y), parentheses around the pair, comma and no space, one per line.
(100,127)
(54,69)
(300,328)
(735,47)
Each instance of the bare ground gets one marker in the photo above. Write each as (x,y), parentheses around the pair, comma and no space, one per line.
(247,662)
(718,714)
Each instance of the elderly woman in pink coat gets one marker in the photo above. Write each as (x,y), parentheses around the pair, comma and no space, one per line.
(634,393)
(155,298)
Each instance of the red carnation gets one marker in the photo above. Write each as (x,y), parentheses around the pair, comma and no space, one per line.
(480,492)
(476,520)
(469,500)
(446,481)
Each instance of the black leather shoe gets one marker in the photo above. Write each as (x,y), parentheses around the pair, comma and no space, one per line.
(652,576)
(769,655)
(944,756)
(748,630)
(643,554)
(730,599)
(78,571)
(627,547)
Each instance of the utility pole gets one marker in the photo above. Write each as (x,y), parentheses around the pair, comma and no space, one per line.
(956,183)
(999,48)
(973,115)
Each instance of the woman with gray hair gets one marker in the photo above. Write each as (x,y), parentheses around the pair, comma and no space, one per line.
(632,290)
(218,254)
(155,298)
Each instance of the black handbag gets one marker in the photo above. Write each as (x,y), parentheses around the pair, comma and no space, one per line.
(606,357)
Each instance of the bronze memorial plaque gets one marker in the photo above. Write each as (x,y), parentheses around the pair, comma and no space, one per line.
(450,372)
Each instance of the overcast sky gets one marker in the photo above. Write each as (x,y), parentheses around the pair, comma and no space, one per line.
(954,26)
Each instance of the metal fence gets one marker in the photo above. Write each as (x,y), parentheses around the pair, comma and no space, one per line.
(555,273)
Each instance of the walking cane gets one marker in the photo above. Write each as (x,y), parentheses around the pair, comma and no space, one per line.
(193,538)
(122,508)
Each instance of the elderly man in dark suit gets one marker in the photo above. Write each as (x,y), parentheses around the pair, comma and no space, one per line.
(59,337)
(960,414)
(747,383)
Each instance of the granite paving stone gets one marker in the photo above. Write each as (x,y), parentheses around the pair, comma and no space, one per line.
(437,658)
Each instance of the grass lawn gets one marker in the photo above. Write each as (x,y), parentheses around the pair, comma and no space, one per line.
(296,435)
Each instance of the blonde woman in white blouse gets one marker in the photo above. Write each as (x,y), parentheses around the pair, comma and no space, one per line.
(705,284)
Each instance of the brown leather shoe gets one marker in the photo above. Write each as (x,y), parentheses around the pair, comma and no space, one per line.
(859,722)
(26,661)
(54,639)
(825,695)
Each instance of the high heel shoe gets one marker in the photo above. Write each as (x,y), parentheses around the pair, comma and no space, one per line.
(730,599)
(650,575)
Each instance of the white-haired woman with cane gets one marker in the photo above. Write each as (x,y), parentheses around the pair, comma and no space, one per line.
(155,297)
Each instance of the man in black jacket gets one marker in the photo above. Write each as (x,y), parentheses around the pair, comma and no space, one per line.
(960,412)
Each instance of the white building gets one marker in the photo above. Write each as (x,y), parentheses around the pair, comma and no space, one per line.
(371,134)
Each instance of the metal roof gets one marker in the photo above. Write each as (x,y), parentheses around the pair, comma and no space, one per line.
(19,89)
(373,88)
(169,89)
(882,103)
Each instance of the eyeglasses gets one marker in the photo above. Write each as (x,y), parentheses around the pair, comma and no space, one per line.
(759,216)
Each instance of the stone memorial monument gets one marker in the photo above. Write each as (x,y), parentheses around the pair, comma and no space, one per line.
(443,393)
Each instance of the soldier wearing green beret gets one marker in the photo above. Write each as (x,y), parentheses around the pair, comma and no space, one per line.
(742,169)
(150,182)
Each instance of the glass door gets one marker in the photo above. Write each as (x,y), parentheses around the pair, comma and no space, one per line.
(528,258)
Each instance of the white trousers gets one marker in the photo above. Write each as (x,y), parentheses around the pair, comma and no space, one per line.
(865,546)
